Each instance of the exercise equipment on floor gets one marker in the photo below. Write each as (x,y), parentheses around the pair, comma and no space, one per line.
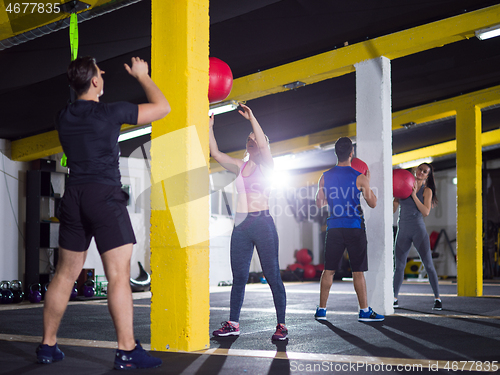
(17,290)
(35,293)
(434,238)
(142,282)
(6,295)
(304,256)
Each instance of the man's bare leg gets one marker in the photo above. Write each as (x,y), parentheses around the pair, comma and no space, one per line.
(117,268)
(360,288)
(325,285)
(69,266)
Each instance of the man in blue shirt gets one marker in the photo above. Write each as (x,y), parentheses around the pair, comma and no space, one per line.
(341,188)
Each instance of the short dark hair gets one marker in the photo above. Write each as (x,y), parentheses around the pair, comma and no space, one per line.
(80,73)
(343,148)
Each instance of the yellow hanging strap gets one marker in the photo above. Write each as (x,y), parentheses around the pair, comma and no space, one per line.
(73,35)
(73,42)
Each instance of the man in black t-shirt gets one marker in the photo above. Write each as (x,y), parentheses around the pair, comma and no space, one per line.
(95,206)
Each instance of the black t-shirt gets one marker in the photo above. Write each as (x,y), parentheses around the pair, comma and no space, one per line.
(88,132)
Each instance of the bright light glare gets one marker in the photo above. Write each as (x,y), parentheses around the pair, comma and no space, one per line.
(134,134)
(283,163)
(280,179)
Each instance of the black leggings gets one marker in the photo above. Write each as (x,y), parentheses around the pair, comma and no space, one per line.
(255,229)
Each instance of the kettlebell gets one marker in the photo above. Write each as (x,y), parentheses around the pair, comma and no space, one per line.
(6,293)
(17,290)
(88,288)
(35,294)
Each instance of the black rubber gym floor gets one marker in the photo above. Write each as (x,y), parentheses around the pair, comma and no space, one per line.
(464,336)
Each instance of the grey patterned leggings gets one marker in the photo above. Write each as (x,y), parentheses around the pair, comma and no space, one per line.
(407,233)
(255,229)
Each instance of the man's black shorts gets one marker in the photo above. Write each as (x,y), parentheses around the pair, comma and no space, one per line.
(94,210)
(351,239)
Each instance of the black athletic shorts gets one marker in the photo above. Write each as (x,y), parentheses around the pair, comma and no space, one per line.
(351,239)
(94,210)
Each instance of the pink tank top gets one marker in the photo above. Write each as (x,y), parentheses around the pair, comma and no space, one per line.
(256,182)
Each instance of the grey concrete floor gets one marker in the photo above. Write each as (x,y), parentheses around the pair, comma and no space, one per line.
(414,338)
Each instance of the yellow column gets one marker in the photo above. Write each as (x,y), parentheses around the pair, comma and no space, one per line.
(179,172)
(469,202)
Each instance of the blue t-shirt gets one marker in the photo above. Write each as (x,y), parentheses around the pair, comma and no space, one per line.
(88,132)
(343,197)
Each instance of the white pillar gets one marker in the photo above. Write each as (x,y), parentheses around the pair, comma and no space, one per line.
(374,146)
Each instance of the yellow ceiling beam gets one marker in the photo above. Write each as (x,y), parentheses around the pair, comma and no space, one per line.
(488,138)
(36,147)
(341,61)
(441,149)
(40,146)
(446,108)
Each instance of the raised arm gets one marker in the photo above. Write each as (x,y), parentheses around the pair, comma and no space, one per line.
(260,137)
(228,162)
(363,184)
(158,106)
(321,200)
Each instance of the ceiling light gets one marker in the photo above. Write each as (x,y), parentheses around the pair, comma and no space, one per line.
(134,133)
(327,146)
(223,107)
(415,163)
(409,125)
(294,85)
(488,33)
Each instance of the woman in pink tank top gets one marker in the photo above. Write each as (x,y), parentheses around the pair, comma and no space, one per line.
(253,225)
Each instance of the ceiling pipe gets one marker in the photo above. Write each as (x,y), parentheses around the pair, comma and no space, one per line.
(64,23)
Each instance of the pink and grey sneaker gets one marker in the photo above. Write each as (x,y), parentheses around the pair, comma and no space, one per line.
(227,329)
(281,333)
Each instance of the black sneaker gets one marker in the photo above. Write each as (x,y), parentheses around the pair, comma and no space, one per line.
(396,304)
(437,305)
(137,358)
(46,354)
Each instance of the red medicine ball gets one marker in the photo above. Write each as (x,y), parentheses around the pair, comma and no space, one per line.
(309,271)
(304,256)
(359,165)
(220,80)
(402,183)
